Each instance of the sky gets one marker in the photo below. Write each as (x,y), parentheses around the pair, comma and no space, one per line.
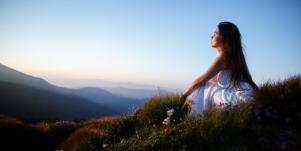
(162,43)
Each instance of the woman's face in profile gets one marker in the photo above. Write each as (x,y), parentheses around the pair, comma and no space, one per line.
(216,39)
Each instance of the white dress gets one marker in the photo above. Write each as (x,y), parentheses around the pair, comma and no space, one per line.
(218,94)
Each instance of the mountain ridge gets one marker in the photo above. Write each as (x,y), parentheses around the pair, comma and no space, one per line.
(112,103)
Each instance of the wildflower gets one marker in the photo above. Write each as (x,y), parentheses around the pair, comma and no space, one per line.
(60,122)
(105,145)
(166,121)
(170,112)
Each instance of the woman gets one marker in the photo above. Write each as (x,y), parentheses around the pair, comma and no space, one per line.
(227,80)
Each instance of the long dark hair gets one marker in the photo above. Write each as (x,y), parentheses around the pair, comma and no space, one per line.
(235,59)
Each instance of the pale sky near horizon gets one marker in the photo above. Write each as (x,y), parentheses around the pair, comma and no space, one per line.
(164,43)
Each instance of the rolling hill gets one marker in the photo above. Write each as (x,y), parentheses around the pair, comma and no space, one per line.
(15,87)
(27,102)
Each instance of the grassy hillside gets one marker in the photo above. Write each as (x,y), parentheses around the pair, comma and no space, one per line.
(271,122)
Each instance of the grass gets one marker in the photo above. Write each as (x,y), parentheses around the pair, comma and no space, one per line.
(16,135)
(270,122)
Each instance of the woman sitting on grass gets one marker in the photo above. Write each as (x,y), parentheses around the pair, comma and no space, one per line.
(227,80)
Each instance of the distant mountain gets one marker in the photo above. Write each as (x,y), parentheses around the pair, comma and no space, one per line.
(80,82)
(135,93)
(126,89)
(13,76)
(107,102)
(119,103)
(32,103)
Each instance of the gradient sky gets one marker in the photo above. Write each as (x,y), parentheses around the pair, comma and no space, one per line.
(157,42)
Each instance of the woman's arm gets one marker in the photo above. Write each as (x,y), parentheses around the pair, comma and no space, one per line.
(214,68)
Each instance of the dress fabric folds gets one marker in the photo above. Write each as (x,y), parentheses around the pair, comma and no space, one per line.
(218,94)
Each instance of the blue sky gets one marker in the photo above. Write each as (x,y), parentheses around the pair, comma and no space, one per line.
(163,43)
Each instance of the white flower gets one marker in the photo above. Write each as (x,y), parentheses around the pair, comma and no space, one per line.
(166,121)
(170,112)
(105,145)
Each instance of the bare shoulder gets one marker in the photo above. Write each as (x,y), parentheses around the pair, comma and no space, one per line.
(221,57)
(216,66)
(220,60)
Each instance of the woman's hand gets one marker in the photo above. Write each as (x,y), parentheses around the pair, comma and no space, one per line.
(188,104)
(183,98)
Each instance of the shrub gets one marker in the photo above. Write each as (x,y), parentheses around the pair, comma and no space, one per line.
(121,128)
(215,130)
(280,101)
(85,139)
(154,110)
(16,135)
(58,131)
